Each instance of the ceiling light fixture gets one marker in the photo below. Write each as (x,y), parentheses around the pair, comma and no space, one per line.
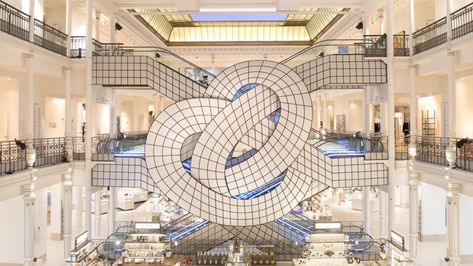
(249,9)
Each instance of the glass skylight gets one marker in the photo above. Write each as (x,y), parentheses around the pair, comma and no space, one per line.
(237,17)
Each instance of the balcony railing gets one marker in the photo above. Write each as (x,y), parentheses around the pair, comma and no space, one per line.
(402,145)
(78,44)
(49,151)
(49,38)
(462,21)
(430,36)
(14,22)
(12,157)
(401,45)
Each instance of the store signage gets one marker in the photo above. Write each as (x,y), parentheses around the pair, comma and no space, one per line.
(328,225)
(397,240)
(81,239)
(147,226)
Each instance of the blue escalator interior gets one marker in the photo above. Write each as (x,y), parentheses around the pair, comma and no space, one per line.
(343,148)
(188,230)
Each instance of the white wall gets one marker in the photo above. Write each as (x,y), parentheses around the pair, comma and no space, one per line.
(9,90)
(431,104)
(54,117)
(466,222)
(464,107)
(350,105)
(11,228)
(432,210)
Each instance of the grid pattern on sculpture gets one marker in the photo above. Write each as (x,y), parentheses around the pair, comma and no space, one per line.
(145,72)
(125,172)
(336,70)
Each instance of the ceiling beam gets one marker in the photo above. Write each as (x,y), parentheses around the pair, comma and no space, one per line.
(277,12)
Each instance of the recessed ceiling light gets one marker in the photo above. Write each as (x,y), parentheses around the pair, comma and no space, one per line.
(244,9)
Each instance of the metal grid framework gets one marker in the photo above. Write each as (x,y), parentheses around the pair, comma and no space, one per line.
(124,172)
(145,72)
(342,70)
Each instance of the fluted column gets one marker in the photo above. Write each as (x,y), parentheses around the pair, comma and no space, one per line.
(88,115)
(319,111)
(326,123)
(112,201)
(67,183)
(29,198)
(30,151)
(453,224)
(32,8)
(383,214)
(367,210)
(69,118)
(68,26)
(413,202)
(98,212)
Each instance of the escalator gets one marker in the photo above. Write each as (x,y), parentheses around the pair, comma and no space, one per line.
(154,67)
(188,230)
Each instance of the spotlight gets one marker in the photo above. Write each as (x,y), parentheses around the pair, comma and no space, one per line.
(157,55)
(321,54)
(359,26)
(118,27)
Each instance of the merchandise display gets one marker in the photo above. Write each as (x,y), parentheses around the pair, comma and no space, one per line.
(146,248)
(84,253)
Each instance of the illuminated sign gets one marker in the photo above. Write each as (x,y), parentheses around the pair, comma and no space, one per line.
(81,239)
(328,226)
(147,226)
(397,240)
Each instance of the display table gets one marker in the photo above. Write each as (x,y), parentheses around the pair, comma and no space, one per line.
(146,248)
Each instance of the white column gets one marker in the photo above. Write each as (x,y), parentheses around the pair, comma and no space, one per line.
(78,208)
(29,201)
(68,26)
(69,118)
(88,115)
(112,201)
(97,212)
(30,103)
(381,21)
(31,25)
(383,217)
(390,121)
(411,26)
(413,101)
(449,22)
(451,95)
(413,212)
(67,183)
(367,210)
(113,109)
(366,110)
(325,119)
(453,224)
(97,24)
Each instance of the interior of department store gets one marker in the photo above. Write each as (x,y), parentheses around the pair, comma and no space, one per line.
(236,132)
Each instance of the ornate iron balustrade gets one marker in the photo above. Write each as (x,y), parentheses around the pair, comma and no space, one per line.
(12,157)
(462,21)
(50,38)
(430,36)
(401,44)
(78,44)
(402,145)
(14,21)
(49,151)
(78,148)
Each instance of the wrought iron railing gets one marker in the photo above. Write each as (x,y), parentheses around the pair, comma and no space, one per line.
(50,38)
(78,148)
(401,45)
(462,21)
(78,44)
(430,36)
(14,21)
(401,146)
(12,156)
(49,151)
(431,149)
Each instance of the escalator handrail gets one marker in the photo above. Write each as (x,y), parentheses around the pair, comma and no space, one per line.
(326,43)
(162,50)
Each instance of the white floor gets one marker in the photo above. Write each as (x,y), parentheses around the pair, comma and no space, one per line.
(429,253)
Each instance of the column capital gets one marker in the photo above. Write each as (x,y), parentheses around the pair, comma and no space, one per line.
(67,178)
(28,192)
(97,14)
(67,68)
(28,55)
(453,190)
